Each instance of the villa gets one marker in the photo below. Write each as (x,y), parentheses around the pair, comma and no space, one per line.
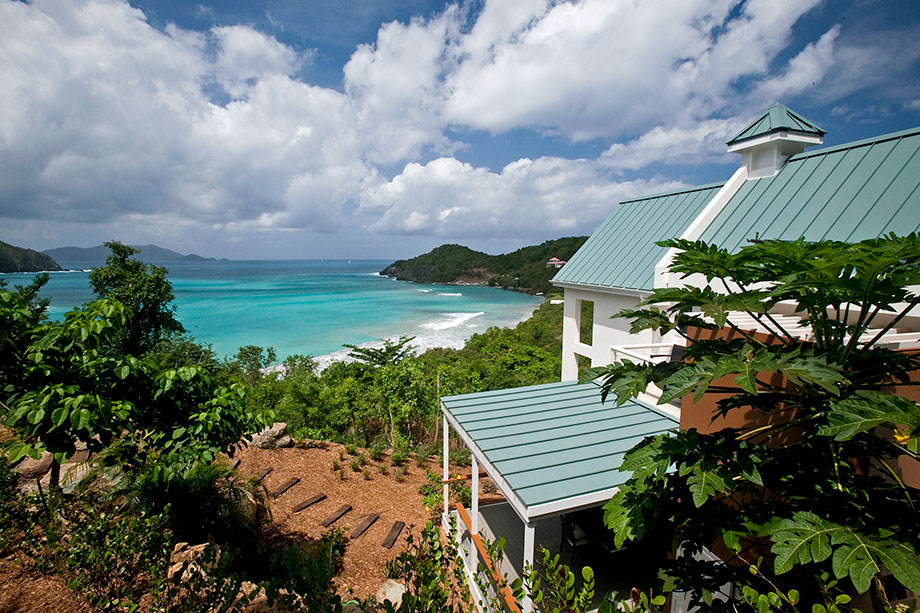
(554,450)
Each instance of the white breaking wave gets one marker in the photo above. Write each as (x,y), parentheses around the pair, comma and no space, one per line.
(449,294)
(424,291)
(450,320)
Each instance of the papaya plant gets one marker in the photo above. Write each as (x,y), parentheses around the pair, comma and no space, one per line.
(814,487)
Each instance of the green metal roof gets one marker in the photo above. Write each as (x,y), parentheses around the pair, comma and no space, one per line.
(850,192)
(622,252)
(553,442)
(777,118)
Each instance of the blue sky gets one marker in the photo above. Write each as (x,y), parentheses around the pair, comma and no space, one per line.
(376,129)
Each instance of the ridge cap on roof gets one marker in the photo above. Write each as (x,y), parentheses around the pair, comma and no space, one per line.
(675,192)
(863,142)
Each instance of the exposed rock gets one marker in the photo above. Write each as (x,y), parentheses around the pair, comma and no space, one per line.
(352,607)
(184,561)
(392,591)
(34,469)
(274,437)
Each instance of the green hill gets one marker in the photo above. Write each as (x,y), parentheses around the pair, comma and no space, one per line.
(522,270)
(19,259)
(88,257)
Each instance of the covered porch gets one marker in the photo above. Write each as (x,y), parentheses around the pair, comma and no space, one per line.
(553,451)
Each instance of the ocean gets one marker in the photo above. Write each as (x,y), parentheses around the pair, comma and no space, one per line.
(311,307)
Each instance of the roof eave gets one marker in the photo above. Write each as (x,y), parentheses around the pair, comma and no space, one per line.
(622,291)
(736,145)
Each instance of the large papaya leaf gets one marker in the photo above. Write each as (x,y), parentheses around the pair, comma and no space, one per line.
(808,538)
(866,410)
(704,484)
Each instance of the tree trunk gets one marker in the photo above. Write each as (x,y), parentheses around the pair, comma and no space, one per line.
(55,474)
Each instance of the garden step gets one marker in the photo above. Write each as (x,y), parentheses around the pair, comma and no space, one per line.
(366,523)
(308,502)
(285,486)
(342,510)
(390,540)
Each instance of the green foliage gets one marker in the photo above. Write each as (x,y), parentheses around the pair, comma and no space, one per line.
(205,501)
(65,386)
(146,294)
(390,398)
(524,268)
(812,484)
(392,352)
(432,492)
(431,573)
(560,593)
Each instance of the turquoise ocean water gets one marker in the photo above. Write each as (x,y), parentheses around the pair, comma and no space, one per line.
(311,307)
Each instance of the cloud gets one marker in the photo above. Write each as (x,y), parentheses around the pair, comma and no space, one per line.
(701,143)
(245,56)
(546,197)
(804,72)
(598,69)
(395,87)
(106,117)
(108,120)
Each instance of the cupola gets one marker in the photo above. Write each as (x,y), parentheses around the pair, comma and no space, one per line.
(773,138)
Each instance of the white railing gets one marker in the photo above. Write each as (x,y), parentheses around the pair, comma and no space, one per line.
(643,353)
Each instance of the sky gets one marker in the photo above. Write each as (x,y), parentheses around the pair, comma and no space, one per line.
(268,129)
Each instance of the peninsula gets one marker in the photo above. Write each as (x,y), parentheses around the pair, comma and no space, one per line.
(526,270)
(20,259)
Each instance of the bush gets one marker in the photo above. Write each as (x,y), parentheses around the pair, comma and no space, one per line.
(377,452)
(208,501)
(399,457)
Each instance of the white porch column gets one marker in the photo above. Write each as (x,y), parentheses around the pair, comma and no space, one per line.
(474,518)
(529,533)
(446,466)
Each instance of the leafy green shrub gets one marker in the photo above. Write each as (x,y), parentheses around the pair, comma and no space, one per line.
(383,469)
(355,464)
(377,452)
(366,474)
(351,449)
(432,491)
(461,456)
(431,574)
(208,501)
(399,457)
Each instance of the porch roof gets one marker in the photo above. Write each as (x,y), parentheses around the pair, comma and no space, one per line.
(554,447)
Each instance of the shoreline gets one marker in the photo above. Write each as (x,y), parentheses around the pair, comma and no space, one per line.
(519,290)
(341,355)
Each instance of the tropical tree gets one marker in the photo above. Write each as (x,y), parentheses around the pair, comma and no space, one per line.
(142,288)
(65,386)
(805,503)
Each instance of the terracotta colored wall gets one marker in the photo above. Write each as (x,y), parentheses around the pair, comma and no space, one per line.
(702,414)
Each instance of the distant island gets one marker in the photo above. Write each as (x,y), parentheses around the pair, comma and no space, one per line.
(20,259)
(528,269)
(90,257)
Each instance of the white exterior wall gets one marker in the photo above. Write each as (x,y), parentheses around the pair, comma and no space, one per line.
(606,332)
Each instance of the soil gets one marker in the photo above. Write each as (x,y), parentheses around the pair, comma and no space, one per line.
(24,590)
(312,462)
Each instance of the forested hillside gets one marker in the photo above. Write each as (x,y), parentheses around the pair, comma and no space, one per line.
(90,257)
(524,269)
(19,259)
